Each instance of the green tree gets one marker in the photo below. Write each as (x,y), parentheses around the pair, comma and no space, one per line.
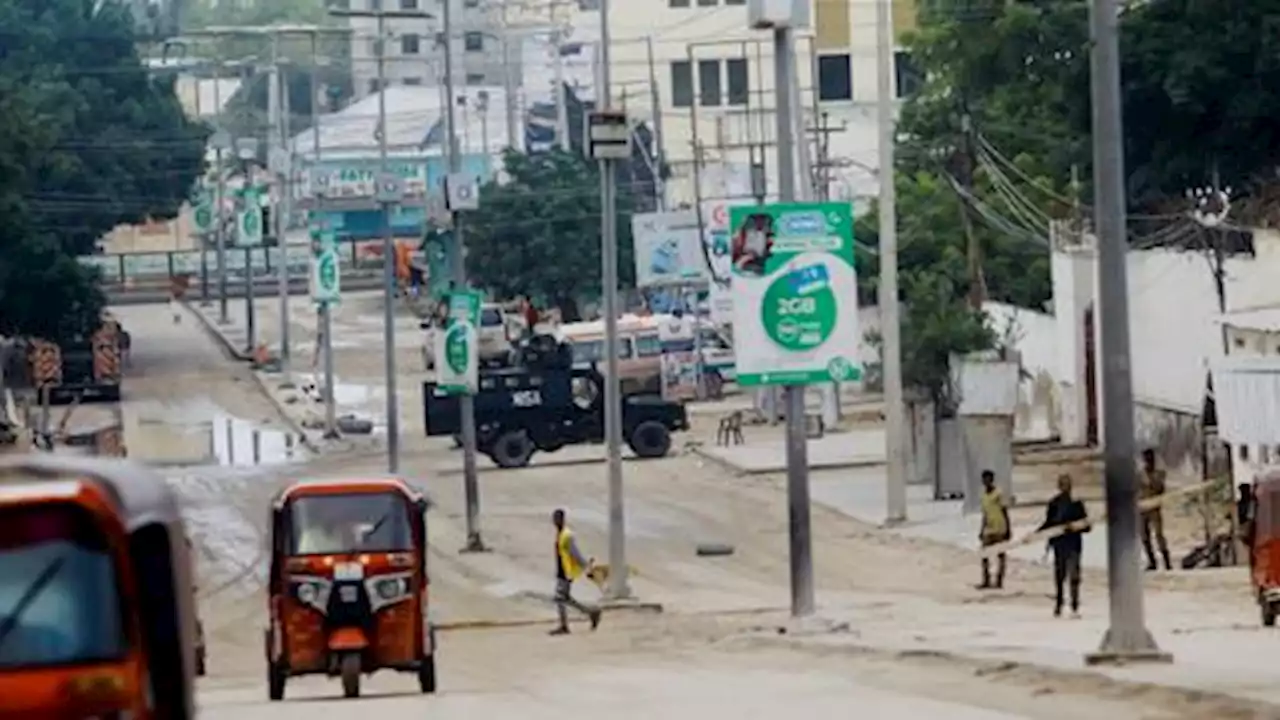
(538,234)
(88,141)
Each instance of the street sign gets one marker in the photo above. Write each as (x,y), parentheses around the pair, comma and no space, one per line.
(461,192)
(609,135)
(795,313)
(456,350)
(390,189)
(249,220)
(202,215)
(326,272)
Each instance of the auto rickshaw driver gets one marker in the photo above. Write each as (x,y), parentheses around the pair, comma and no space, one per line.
(325,531)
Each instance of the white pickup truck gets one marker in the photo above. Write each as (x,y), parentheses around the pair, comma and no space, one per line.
(497,334)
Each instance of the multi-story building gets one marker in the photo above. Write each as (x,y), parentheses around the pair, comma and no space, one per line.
(713,77)
(414,47)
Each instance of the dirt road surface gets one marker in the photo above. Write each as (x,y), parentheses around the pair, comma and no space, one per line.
(700,658)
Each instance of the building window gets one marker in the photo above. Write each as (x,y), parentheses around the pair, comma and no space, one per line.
(709,94)
(905,73)
(739,90)
(474,42)
(681,83)
(834,79)
(708,3)
(471,3)
(735,2)
(408,4)
(678,3)
(473,79)
(412,81)
(375,4)
(410,44)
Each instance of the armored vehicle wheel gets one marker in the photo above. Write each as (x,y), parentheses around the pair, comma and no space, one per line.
(1268,614)
(427,674)
(650,439)
(275,682)
(512,449)
(351,675)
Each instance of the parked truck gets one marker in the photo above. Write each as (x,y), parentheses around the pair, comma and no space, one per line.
(89,368)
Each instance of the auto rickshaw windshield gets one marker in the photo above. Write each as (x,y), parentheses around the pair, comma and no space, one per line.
(59,594)
(349,522)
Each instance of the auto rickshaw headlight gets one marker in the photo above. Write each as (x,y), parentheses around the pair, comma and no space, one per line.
(307,593)
(388,589)
(311,591)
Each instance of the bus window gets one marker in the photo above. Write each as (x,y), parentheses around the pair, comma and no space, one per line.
(648,346)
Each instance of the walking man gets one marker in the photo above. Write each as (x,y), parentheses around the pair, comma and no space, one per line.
(995,529)
(1071,517)
(569,567)
(1152,485)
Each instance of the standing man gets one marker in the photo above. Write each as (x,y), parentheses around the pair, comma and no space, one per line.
(1070,516)
(569,567)
(995,528)
(1153,485)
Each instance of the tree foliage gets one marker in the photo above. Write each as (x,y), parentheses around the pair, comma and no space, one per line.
(538,234)
(88,141)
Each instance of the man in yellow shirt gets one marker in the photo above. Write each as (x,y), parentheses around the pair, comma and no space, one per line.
(995,528)
(570,565)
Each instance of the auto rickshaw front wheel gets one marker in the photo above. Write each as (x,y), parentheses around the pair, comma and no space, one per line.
(350,670)
(427,674)
(275,682)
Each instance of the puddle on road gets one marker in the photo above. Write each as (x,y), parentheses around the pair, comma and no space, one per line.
(199,432)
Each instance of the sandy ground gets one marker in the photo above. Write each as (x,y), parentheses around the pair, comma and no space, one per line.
(710,653)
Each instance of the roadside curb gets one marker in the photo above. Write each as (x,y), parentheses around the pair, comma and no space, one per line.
(261,382)
(1213,702)
(855,462)
(211,328)
(530,622)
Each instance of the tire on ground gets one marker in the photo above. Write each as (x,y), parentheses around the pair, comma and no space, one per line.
(650,439)
(512,449)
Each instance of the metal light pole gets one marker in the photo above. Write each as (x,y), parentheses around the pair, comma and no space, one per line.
(1127,638)
(389,192)
(467,407)
(247,150)
(618,589)
(562,102)
(281,173)
(221,142)
(326,310)
(890,331)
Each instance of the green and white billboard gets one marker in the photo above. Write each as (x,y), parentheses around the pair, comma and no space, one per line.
(795,294)
(457,352)
(326,274)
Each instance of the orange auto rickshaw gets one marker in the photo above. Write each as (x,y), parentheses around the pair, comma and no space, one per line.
(97,610)
(348,583)
(1263,534)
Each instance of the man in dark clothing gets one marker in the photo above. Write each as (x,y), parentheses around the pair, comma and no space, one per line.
(1063,510)
(1245,515)
(1151,484)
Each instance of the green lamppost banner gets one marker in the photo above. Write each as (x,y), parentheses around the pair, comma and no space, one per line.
(456,347)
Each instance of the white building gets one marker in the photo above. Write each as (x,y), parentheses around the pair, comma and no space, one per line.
(415,46)
(705,62)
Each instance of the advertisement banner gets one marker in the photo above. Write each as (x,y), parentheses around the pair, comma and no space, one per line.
(667,249)
(715,216)
(795,294)
(457,347)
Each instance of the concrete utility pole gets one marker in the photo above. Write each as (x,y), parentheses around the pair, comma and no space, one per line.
(515,141)
(618,589)
(281,175)
(562,102)
(802,598)
(466,403)
(326,310)
(1127,638)
(390,191)
(890,331)
(221,143)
